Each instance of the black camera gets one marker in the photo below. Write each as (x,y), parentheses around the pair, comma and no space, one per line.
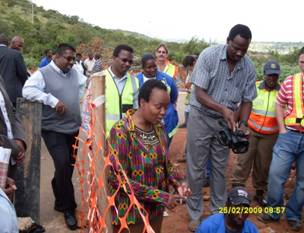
(236,140)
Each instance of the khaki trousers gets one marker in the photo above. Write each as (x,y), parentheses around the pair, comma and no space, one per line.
(258,158)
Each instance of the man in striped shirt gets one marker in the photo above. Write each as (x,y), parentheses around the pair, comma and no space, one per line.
(224,81)
(288,148)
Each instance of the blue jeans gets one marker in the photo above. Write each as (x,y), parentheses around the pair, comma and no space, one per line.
(288,148)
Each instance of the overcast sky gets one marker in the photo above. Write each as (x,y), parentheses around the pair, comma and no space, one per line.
(211,20)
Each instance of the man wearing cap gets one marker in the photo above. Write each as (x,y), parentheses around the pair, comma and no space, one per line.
(264,129)
(234,221)
(289,148)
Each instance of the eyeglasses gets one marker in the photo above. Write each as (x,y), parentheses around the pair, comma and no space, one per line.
(69,58)
(125,60)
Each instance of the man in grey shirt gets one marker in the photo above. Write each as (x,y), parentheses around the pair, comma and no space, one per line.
(224,80)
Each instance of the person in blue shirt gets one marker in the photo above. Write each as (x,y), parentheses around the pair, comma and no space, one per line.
(47,58)
(8,218)
(232,222)
(149,71)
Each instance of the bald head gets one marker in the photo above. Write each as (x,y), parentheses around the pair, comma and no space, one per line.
(3,39)
(17,43)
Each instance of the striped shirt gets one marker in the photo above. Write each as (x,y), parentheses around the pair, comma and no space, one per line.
(211,73)
(285,97)
(97,66)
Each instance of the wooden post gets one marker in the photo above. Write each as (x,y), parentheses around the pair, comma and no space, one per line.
(28,174)
(99,143)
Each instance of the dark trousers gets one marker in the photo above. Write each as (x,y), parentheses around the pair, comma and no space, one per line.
(60,148)
(258,159)
(186,118)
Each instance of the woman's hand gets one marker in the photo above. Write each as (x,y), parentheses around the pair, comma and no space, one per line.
(173,199)
(183,190)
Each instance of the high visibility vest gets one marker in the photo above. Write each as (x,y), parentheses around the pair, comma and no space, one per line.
(117,104)
(263,118)
(295,118)
(171,70)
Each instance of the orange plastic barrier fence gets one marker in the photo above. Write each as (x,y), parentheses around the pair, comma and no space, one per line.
(93,167)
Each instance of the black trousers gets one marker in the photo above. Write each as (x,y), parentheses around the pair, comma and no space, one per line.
(60,148)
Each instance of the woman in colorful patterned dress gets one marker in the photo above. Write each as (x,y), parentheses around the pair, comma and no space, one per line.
(139,142)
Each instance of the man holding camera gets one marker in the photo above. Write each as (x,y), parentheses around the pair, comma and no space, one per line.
(263,134)
(224,80)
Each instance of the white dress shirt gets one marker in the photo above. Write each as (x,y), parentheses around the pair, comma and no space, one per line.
(78,66)
(33,89)
(89,64)
(5,116)
(120,82)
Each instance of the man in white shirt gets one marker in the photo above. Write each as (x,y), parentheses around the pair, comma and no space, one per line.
(89,64)
(60,87)
(79,64)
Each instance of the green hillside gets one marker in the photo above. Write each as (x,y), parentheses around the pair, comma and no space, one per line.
(49,28)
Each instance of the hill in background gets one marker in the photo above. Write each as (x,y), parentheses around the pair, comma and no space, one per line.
(48,28)
(280,47)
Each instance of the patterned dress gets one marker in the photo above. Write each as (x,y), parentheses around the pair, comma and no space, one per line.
(143,156)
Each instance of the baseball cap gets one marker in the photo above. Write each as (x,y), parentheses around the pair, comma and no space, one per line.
(238,196)
(272,67)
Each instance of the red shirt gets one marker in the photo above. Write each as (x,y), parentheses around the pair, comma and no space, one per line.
(285,98)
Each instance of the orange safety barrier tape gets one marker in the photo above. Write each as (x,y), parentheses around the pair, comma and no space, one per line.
(91,180)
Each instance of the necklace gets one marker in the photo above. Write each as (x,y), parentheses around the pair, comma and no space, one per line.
(148,138)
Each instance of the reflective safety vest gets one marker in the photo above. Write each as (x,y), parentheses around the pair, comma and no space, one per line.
(171,70)
(117,104)
(296,117)
(263,118)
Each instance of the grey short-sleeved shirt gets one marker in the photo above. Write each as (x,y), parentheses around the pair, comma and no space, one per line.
(211,73)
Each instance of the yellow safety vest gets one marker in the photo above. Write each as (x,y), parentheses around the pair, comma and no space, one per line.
(295,118)
(263,118)
(117,104)
(171,70)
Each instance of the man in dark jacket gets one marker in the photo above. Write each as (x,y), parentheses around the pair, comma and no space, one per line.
(12,70)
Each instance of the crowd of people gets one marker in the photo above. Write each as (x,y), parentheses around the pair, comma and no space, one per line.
(141,120)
